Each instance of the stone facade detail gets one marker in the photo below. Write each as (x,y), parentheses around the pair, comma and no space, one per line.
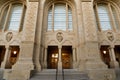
(9,36)
(59,36)
(34,41)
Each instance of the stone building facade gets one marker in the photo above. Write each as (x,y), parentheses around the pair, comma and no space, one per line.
(50,34)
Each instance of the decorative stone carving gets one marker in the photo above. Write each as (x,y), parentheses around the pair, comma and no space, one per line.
(59,36)
(9,36)
(107,77)
(110,36)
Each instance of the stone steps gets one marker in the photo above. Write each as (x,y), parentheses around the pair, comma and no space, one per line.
(68,75)
(117,74)
(1,74)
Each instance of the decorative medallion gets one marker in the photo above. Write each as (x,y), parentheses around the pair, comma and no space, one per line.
(110,36)
(9,36)
(59,36)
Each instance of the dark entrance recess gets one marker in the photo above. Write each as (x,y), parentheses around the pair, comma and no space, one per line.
(67,57)
(2,53)
(117,53)
(52,58)
(105,55)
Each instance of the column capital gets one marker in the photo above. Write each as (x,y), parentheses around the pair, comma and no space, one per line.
(59,46)
(111,47)
(46,47)
(33,0)
(86,0)
(7,47)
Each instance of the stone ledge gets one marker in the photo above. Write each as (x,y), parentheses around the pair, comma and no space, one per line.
(86,0)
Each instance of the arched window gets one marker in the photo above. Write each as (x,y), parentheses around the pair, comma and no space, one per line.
(12,17)
(106,16)
(59,17)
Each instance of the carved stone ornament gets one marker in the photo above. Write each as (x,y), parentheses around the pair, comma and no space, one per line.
(9,36)
(110,36)
(59,36)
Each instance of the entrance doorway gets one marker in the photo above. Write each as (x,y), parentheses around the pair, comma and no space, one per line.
(53,54)
(52,59)
(117,53)
(105,55)
(2,53)
(67,57)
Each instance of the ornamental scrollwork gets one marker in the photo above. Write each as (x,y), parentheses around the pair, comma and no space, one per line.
(59,36)
(110,36)
(9,36)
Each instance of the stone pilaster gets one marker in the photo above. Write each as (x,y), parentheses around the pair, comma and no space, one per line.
(21,70)
(93,60)
(113,62)
(97,70)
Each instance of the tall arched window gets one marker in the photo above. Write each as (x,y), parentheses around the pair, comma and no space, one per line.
(59,17)
(106,16)
(12,17)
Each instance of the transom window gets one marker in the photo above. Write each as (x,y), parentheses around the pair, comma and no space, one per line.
(60,17)
(12,17)
(106,16)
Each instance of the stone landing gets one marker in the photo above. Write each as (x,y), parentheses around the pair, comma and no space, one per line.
(69,74)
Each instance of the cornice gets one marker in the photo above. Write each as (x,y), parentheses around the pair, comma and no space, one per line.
(33,0)
(86,0)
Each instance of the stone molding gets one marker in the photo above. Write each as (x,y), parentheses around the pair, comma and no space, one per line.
(33,0)
(86,0)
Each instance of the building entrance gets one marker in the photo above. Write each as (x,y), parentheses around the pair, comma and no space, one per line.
(105,55)
(2,53)
(117,54)
(66,56)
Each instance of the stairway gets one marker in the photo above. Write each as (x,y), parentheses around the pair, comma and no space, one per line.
(1,74)
(117,74)
(69,74)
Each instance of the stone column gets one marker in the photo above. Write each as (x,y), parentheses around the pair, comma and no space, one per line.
(74,57)
(45,58)
(5,62)
(113,62)
(59,58)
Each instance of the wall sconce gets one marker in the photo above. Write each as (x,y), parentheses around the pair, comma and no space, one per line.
(104,52)
(14,52)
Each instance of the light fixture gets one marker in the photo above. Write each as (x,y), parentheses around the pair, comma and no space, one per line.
(104,52)
(54,55)
(14,52)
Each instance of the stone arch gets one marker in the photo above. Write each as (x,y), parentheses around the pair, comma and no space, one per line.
(47,4)
(71,3)
(3,3)
(114,2)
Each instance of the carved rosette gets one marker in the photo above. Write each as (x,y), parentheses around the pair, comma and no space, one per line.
(9,36)
(59,36)
(110,36)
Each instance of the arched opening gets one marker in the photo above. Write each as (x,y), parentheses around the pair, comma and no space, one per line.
(105,55)
(53,54)
(117,53)
(2,53)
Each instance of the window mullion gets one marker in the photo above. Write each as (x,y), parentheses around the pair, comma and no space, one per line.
(21,19)
(66,17)
(111,17)
(1,16)
(53,9)
(97,18)
(118,19)
(5,27)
